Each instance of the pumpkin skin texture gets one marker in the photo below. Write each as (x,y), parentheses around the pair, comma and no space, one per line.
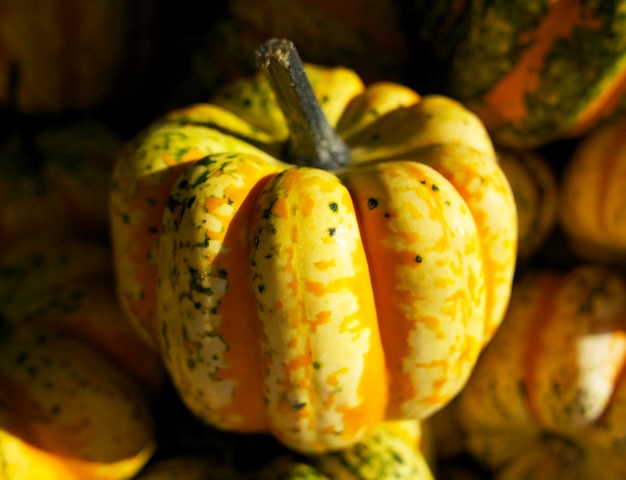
(76,378)
(534,72)
(534,187)
(254,266)
(546,399)
(592,199)
(388,452)
(61,58)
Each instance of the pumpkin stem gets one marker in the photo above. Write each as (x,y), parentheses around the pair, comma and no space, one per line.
(312,141)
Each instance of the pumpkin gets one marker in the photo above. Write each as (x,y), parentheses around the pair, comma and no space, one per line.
(592,199)
(534,186)
(61,54)
(242,268)
(389,451)
(534,72)
(77,382)
(547,396)
(54,181)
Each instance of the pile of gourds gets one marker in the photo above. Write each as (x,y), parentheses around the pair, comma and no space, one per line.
(387,243)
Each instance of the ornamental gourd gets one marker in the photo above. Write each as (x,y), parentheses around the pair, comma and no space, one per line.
(76,380)
(534,188)
(292,290)
(592,202)
(547,398)
(533,71)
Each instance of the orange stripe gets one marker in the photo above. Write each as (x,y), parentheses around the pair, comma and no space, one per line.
(546,287)
(507,98)
(602,105)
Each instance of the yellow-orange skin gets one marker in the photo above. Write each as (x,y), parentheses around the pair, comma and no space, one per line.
(592,198)
(73,371)
(309,303)
(548,395)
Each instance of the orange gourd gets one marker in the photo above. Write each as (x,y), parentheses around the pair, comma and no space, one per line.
(592,198)
(77,383)
(296,297)
(547,398)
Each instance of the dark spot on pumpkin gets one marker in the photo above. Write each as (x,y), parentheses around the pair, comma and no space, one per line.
(435,188)
(261,288)
(418,259)
(298,406)
(246,102)
(41,338)
(423,182)
(332,231)
(334,207)
(317,365)
(153,230)
(372,203)
(21,358)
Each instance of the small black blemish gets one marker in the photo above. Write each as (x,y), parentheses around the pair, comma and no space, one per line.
(334,207)
(246,102)
(332,231)
(387,215)
(324,99)
(21,358)
(298,406)
(423,182)
(435,188)
(418,259)
(261,288)
(375,137)
(317,365)
(153,230)
(372,203)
